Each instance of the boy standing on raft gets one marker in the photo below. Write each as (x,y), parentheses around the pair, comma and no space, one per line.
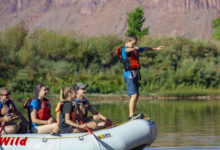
(130,59)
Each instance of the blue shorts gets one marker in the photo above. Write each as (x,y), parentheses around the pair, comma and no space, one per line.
(132,86)
(34,129)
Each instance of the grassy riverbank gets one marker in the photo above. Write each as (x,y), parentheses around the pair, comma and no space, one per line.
(187,94)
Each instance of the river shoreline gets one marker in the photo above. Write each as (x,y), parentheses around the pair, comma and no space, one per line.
(124,97)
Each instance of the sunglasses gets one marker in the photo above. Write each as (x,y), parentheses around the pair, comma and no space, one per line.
(7,94)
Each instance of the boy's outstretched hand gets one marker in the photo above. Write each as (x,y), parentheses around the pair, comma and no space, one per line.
(158,48)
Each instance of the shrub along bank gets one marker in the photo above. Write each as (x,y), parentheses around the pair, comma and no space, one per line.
(27,58)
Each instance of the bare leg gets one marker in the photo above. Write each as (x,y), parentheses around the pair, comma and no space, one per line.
(47,128)
(101,125)
(132,104)
(91,125)
(10,129)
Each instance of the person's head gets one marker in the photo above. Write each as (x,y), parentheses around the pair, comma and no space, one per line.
(4,94)
(131,41)
(67,93)
(40,91)
(80,89)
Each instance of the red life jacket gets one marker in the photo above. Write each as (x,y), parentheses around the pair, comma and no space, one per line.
(44,112)
(132,60)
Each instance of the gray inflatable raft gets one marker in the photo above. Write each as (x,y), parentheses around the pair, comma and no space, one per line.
(135,134)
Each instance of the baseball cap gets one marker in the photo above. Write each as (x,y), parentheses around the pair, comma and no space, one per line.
(80,85)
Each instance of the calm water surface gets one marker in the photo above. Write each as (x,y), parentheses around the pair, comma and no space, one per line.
(182,124)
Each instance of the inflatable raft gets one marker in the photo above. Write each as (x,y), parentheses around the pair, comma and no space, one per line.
(135,134)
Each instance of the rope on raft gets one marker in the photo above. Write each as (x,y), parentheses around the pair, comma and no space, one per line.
(47,138)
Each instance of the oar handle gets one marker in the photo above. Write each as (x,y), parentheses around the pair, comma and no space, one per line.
(90,132)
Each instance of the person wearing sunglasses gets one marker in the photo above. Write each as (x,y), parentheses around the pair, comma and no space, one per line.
(12,121)
(83,107)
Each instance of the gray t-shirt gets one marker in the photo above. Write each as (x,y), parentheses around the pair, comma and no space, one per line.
(66,108)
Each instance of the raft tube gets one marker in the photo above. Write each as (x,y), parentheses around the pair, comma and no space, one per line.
(135,134)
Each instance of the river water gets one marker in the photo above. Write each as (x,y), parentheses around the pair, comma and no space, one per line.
(182,124)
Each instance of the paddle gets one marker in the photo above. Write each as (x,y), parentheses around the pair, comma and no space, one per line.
(3,126)
(94,136)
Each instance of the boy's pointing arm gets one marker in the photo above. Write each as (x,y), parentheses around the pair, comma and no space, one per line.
(131,49)
(153,49)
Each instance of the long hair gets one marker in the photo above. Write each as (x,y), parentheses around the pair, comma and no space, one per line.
(37,89)
(64,92)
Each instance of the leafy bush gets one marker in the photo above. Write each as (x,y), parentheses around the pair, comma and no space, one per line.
(59,60)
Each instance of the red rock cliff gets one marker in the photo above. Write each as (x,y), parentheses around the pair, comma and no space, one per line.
(190,18)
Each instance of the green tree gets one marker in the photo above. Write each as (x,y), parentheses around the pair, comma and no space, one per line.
(216,26)
(135,22)
(15,36)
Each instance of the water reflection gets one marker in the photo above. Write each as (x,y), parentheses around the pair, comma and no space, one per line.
(182,124)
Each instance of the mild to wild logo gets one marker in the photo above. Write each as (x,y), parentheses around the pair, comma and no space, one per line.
(104,136)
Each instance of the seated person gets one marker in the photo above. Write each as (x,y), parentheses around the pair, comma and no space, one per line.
(39,113)
(83,107)
(66,112)
(12,121)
